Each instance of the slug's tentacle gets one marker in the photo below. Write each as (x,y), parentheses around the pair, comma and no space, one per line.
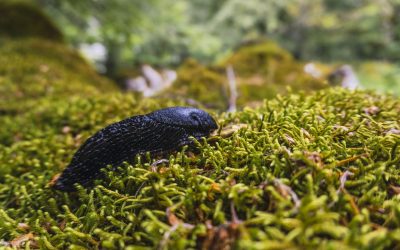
(161,131)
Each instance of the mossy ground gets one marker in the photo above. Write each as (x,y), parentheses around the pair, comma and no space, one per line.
(34,68)
(203,84)
(262,70)
(303,172)
(319,171)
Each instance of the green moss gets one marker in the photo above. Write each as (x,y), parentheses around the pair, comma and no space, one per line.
(262,70)
(305,172)
(380,76)
(203,84)
(265,69)
(23,20)
(258,57)
(35,68)
(237,192)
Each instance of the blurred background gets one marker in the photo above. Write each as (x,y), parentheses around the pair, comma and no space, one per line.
(278,43)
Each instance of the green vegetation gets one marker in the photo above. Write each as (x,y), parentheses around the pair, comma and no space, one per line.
(336,151)
(22,20)
(383,77)
(315,168)
(263,70)
(32,69)
(203,84)
(144,32)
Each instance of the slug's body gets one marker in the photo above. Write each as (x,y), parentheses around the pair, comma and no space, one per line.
(162,131)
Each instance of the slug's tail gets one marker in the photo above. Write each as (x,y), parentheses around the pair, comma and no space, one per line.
(59,185)
(74,174)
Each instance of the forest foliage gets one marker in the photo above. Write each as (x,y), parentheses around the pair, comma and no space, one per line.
(167,32)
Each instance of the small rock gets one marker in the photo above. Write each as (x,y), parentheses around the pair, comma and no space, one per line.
(393,131)
(373,110)
(66,129)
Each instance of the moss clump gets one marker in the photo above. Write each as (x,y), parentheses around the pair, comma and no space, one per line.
(203,84)
(265,69)
(263,57)
(23,20)
(262,70)
(317,171)
(35,68)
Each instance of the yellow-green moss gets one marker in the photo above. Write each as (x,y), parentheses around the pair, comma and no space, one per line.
(262,70)
(380,76)
(265,69)
(23,20)
(317,171)
(203,84)
(263,58)
(34,68)
(303,172)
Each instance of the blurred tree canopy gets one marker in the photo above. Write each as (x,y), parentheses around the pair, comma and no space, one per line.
(164,32)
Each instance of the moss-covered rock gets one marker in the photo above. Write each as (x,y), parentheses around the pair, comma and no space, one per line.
(262,70)
(35,68)
(22,20)
(263,57)
(265,69)
(305,172)
(200,83)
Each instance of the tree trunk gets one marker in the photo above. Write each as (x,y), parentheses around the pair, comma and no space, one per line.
(112,59)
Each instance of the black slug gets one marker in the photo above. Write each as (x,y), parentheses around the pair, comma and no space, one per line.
(158,132)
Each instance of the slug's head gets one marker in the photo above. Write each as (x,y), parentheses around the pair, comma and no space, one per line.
(185,117)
